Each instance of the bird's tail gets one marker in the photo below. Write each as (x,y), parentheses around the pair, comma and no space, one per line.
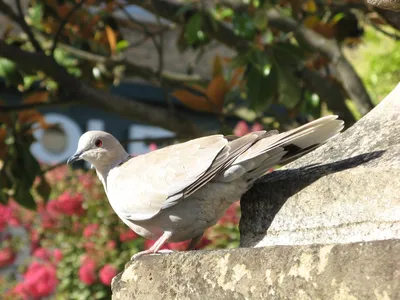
(273,148)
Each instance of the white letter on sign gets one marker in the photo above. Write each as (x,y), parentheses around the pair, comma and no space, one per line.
(72,134)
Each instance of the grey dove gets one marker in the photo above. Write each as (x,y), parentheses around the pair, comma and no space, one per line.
(175,193)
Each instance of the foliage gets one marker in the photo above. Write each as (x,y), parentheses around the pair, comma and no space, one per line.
(76,242)
(18,167)
(379,75)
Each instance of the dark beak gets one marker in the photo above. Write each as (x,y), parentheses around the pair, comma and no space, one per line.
(74,158)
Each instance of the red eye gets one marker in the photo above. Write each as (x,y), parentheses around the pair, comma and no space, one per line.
(98,143)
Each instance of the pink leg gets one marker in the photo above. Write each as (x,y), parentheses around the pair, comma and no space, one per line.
(156,246)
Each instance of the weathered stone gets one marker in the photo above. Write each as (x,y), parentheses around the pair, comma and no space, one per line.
(346,191)
(368,270)
(386,4)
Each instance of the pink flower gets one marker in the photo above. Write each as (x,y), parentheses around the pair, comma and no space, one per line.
(257,127)
(180,246)
(231,215)
(149,243)
(76,226)
(128,235)
(241,129)
(90,230)
(5,215)
(89,246)
(87,271)
(52,208)
(7,257)
(42,253)
(48,255)
(58,256)
(153,147)
(18,292)
(14,219)
(49,220)
(40,280)
(107,273)
(71,204)
(86,180)
(35,240)
(111,245)
(203,243)
(56,174)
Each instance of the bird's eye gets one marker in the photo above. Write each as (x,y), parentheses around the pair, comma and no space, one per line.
(98,143)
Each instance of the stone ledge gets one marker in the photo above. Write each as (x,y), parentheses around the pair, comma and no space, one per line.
(343,271)
(346,191)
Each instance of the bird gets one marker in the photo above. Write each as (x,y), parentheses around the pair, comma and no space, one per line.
(175,193)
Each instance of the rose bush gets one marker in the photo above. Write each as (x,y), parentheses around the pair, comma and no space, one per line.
(76,242)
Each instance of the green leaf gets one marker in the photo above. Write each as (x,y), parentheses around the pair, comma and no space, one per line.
(184,9)
(30,164)
(29,80)
(226,12)
(261,87)
(22,194)
(36,15)
(122,45)
(243,25)
(289,53)
(286,58)
(288,86)
(44,189)
(193,32)
(9,71)
(260,19)
(311,105)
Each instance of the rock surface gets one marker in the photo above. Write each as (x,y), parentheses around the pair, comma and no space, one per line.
(386,4)
(346,191)
(352,271)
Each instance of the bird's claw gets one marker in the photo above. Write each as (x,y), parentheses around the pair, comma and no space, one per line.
(146,252)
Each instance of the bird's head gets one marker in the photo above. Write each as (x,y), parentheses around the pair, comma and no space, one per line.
(99,148)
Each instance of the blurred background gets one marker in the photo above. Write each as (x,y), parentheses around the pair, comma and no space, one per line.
(154,73)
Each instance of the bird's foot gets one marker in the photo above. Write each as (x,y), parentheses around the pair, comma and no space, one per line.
(150,252)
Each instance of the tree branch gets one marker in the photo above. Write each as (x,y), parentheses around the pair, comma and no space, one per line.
(170,78)
(391,17)
(62,25)
(20,20)
(76,89)
(172,10)
(383,31)
(21,107)
(315,42)
(330,48)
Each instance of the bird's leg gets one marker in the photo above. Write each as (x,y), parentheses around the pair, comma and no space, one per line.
(156,246)
(194,242)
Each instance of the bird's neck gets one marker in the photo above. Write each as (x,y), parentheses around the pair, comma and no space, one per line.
(103,170)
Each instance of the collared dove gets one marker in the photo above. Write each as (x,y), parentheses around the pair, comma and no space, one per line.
(175,193)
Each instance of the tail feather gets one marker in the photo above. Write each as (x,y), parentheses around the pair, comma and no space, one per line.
(272,148)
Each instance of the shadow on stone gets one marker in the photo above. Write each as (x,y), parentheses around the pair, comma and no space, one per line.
(283,184)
